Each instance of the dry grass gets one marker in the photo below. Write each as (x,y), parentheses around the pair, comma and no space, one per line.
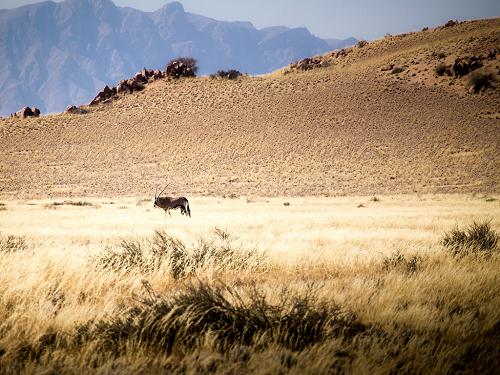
(332,288)
(261,285)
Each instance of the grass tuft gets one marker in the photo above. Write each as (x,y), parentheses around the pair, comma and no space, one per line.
(477,238)
(219,254)
(12,244)
(480,80)
(221,317)
(398,261)
(72,203)
(441,69)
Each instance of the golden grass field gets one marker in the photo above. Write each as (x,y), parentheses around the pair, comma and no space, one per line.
(320,202)
(440,314)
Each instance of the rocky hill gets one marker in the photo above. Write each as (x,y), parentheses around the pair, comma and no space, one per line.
(56,54)
(400,115)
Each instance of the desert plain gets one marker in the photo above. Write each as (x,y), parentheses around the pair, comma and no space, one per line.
(344,219)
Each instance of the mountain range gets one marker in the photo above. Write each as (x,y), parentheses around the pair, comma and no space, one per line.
(56,54)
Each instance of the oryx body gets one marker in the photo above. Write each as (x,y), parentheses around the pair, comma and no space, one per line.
(170,203)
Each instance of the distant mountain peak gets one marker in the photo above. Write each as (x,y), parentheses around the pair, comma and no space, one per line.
(67,51)
(94,4)
(173,7)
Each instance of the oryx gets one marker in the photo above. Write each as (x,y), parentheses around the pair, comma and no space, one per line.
(169,203)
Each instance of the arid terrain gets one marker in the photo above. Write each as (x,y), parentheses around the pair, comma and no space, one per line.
(346,129)
(345,219)
(317,286)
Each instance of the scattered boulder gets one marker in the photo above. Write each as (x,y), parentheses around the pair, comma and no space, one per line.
(123,88)
(135,85)
(465,65)
(126,86)
(492,54)
(342,53)
(151,74)
(157,74)
(74,110)
(140,77)
(308,63)
(317,61)
(397,70)
(104,94)
(183,67)
(387,67)
(28,112)
(451,23)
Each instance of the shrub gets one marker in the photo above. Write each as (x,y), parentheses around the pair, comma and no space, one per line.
(477,238)
(217,255)
(480,80)
(400,262)
(226,74)
(129,256)
(441,69)
(12,244)
(361,43)
(451,23)
(181,67)
(71,203)
(225,316)
(222,234)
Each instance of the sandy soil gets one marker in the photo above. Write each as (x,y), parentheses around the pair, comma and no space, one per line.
(348,129)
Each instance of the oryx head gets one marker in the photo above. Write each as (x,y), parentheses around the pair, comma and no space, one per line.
(157,197)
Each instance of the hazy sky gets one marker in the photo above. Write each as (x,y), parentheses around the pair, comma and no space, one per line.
(367,19)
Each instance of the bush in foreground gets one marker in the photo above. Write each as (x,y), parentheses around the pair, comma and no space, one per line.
(219,317)
(477,238)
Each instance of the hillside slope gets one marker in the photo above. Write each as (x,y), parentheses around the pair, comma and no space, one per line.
(347,129)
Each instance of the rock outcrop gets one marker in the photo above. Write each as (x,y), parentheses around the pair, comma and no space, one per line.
(465,65)
(127,86)
(28,112)
(74,110)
